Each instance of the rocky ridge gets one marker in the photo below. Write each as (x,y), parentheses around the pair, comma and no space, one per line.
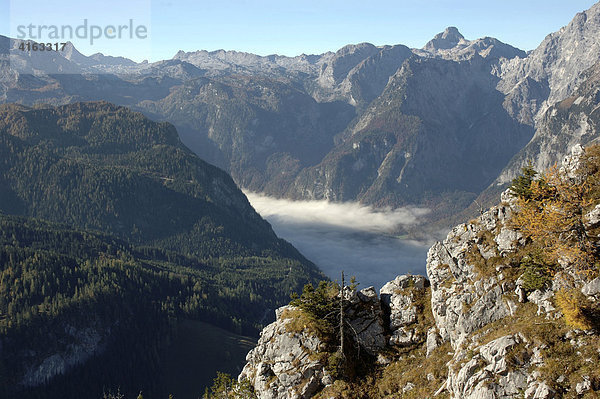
(497,336)
(290,361)
(574,120)
(552,71)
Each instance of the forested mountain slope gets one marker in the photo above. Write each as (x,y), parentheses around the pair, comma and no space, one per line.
(100,166)
(112,232)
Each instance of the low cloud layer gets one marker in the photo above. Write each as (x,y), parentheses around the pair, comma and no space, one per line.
(348,236)
(348,215)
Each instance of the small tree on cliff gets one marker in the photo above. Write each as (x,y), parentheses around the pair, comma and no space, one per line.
(225,387)
(521,185)
(552,213)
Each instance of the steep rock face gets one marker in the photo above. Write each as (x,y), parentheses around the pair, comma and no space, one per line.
(79,344)
(462,299)
(517,361)
(574,120)
(289,362)
(367,80)
(425,133)
(556,64)
(465,311)
(343,61)
(366,319)
(398,298)
(283,364)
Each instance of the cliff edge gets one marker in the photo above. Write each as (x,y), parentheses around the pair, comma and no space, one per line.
(509,308)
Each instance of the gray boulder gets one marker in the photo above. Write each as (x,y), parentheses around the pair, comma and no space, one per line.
(281,365)
(592,288)
(365,318)
(398,298)
(487,374)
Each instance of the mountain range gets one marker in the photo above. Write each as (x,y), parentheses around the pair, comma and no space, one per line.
(119,232)
(384,125)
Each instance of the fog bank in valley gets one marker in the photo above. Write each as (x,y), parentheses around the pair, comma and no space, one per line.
(347,236)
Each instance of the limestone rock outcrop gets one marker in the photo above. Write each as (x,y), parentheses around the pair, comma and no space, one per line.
(501,338)
(283,363)
(366,319)
(463,298)
(399,297)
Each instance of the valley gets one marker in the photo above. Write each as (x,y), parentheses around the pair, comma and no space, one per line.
(348,237)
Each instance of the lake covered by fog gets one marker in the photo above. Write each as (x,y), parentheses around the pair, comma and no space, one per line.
(347,236)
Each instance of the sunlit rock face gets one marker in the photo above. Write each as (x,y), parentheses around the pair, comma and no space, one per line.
(288,362)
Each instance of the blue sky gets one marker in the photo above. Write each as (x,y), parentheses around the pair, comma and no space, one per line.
(290,27)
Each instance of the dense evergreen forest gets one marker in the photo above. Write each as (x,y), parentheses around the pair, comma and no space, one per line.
(99,166)
(110,232)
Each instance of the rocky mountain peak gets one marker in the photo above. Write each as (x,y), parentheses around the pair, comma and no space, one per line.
(445,40)
(555,66)
(71,53)
(343,61)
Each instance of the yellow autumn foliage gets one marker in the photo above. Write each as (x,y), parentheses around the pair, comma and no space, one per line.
(553,217)
(574,307)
